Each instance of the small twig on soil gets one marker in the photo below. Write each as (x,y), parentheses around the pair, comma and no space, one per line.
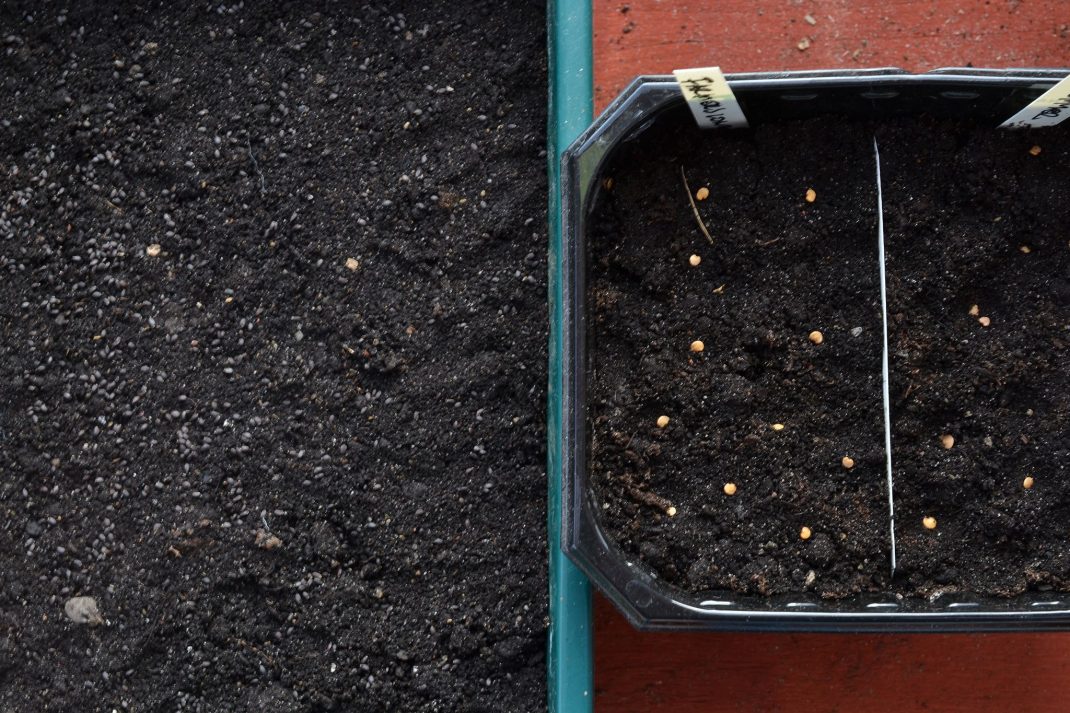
(694,208)
(263,186)
(769,242)
(645,497)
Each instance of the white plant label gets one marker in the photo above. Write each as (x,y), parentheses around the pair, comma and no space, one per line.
(709,97)
(1048,109)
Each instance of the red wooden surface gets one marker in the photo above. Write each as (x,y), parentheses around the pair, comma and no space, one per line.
(657,36)
(822,673)
(825,673)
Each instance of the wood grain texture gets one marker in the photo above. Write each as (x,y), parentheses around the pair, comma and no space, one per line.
(826,673)
(822,673)
(657,36)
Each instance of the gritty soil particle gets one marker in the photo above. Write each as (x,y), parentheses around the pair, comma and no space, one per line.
(272,341)
(959,202)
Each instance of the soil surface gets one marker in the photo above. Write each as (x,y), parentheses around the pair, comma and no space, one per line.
(272,348)
(767,410)
(974,223)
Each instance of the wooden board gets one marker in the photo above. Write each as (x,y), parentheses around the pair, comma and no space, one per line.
(655,37)
(822,673)
(826,673)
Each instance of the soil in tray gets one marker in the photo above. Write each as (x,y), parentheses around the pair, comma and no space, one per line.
(970,216)
(762,407)
(976,236)
(296,453)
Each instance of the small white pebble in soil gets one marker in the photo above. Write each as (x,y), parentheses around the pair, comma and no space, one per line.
(816,337)
(985,321)
(83,610)
(856,332)
(778,427)
(805,533)
(1025,249)
(848,462)
(153,250)
(975,310)
(947,441)
(811,195)
(697,346)
(1028,482)
(729,488)
(702,193)
(695,260)
(671,511)
(352,263)
(663,421)
(929,522)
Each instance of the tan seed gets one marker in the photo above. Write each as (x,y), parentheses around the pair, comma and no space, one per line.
(671,511)
(778,427)
(975,310)
(985,321)
(929,521)
(607,183)
(729,488)
(1025,249)
(816,337)
(663,421)
(697,346)
(702,193)
(1035,151)
(153,250)
(947,441)
(805,533)
(351,263)
(1028,482)
(811,195)
(848,462)
(695,260)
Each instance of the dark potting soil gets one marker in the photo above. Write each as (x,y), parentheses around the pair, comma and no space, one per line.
(765,409)
(272,348)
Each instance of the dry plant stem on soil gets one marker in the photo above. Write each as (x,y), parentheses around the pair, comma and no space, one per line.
(694,208)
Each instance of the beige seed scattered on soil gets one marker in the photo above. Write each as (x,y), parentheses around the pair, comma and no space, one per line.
(702,193)
(153,250)
(778,427)
(947,441)
(697,346)
(1035,151)
(663,421)
(985,321)
(1025,249)
(816,337)
(607,183)
(1028,482)
(811,195)
(929,521)
(848,462)
(975,310)
(671,511)
(729,488)
(805,533)
(351,263)
(695,260)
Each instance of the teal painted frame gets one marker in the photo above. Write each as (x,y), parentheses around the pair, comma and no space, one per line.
(569,676)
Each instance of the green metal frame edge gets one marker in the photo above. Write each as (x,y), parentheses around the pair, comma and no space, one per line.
(570,669)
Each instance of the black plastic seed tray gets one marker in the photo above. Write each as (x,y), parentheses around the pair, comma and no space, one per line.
(981,94)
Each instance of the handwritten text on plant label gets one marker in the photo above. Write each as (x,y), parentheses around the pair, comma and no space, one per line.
(710,98)
(1048,109)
